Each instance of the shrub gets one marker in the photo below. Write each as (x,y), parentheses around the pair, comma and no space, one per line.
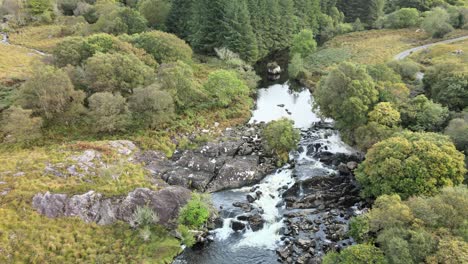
(164,47)
(187,237)
(195,213)
(49,93)
(383,73)
(457,130)
(116,72)
(122,20)
(72,50)
(402,18)
(385,114)
(155,12)
(108,112)
(436,23)
(303,43)
(411,164)
(177,79)
(144,216)
(395,93)
(225,88)
(406,69)
(296,66)
(17,125)
(281,137)
(366,136)
(151,107)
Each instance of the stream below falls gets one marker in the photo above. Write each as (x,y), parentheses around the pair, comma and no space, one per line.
(282,196)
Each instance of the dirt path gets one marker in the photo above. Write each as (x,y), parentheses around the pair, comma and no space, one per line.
(408,52)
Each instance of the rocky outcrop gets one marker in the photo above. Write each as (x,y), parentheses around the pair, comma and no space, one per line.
(94,207)
(235,160)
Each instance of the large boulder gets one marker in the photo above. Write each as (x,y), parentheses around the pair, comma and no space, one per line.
(94,207)
(237,172)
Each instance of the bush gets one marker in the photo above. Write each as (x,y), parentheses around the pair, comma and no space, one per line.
(50,93)
(177,79)
(411,164)
(395,93)
(447,84)
(366,136)
(296,67)
(122,20)
(116,72)
(402,18)
(155,12)
(225,88)
(108,112)
(196,212)
(164,47)
(73,51)
(356,254)
(385,114)
(144,216)
(17,125)
(407,69)
(187,237)
(422,114)
(303,43)
(457,130)
(151,107)
(436,23)
(281,137)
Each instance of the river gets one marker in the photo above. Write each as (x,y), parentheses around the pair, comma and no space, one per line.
(258,247)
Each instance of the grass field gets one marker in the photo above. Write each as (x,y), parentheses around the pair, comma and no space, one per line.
(43,38)
(27,237)
(443,53)
(15,62)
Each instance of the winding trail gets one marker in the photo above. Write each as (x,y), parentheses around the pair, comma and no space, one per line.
(406,53)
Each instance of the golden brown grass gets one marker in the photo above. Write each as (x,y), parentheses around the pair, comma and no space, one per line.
(43,38)
(379,46)
(15,62)
(443,53)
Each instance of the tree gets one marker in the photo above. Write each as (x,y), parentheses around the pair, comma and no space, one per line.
(180,15)
(436,23)
(239,33)
(151,107)
(49,93)
(356,254)
(177,78)
(108,112)
(422,114)
(116,72)
(281,137)
(411,164)
(303,43)
(347,94)
(164,47)
(155,12)
(395,93)
(368,11)
(73,51)
(225,88)
(18,126)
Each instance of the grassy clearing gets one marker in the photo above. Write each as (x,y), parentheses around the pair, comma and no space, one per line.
(379,46)
(43,38)
(443,53)
(68,240)
(15,62)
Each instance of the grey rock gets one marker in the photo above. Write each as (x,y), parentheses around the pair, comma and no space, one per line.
(237,172)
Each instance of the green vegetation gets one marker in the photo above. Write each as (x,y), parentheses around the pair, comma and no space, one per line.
(421,229)
(411,164)
(281,137)
(357,254)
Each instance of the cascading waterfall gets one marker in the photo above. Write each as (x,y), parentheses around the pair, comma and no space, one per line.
(249,246)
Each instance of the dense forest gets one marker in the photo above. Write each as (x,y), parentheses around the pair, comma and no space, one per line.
(171,76)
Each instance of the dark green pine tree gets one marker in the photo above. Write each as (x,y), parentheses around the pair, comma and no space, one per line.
(239,36)
(260,21)
(206,25)
(287,26)
(179,18)
(307,13)
(368,11)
